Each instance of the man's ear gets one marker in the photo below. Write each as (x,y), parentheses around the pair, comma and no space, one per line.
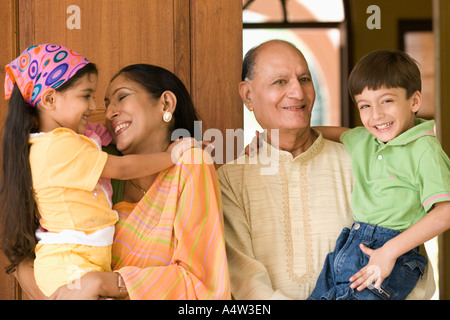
(245,91)
(48,99)
(416,100)
(169,101)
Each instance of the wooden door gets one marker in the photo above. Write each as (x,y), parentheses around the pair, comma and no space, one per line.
(8,37)
(199,40)
(111,33)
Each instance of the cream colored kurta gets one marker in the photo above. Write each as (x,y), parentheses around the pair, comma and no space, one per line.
(279,227)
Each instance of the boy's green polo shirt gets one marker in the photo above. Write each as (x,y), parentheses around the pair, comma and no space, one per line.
(397,182)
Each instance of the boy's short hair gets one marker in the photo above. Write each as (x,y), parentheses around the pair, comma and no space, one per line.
(385,68)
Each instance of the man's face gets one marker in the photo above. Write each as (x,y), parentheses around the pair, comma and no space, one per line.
(281,93)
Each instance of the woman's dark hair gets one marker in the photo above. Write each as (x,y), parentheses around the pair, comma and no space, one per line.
(18,209)
(156,80)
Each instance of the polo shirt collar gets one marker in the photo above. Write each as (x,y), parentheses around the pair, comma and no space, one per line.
(421,128)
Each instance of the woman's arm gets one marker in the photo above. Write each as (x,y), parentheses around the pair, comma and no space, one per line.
(25,276)
(382,260)
(92,285)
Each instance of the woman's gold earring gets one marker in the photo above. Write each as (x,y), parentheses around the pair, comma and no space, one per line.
(167,116)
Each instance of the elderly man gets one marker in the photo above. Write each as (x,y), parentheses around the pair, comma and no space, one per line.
(279,226)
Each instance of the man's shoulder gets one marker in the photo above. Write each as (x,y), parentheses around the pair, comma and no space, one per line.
(243,169)
(233,167)
(334,147)
(335,155)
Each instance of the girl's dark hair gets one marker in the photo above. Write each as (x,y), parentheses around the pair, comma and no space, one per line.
(385,68)
(18,209)
(156,80)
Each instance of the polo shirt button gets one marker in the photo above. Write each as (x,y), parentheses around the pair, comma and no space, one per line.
(357,225)
(380,157)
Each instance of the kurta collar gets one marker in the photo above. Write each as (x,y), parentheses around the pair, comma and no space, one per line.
(312,151)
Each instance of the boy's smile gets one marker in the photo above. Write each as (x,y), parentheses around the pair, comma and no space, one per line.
(387,112)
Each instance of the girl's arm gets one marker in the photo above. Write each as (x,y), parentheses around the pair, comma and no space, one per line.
(332,133)
(382,260)
(136,165)
(142,165)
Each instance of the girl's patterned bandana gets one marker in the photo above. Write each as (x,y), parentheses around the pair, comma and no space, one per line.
(40,67)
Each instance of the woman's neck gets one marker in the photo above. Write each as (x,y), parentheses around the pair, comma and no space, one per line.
(133,191)
(151,145)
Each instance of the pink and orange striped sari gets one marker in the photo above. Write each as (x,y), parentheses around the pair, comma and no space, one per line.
(171,245)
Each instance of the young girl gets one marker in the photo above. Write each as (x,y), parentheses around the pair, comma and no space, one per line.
(51,170)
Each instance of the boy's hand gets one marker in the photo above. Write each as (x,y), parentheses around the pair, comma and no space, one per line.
(379,268)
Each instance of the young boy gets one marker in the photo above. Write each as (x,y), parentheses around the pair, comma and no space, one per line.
(401,196)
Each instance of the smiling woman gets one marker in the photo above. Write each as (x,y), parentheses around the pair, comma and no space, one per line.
(182,255)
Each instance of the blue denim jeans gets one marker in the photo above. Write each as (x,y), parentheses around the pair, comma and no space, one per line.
(347,259)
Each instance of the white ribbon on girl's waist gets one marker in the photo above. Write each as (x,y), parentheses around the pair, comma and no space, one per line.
(101,238)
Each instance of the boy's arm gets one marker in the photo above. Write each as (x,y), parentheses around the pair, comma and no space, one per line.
(332,133)
(382,260)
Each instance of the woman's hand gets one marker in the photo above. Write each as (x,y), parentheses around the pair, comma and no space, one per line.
(85,288)
(91,286)
(25,276)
